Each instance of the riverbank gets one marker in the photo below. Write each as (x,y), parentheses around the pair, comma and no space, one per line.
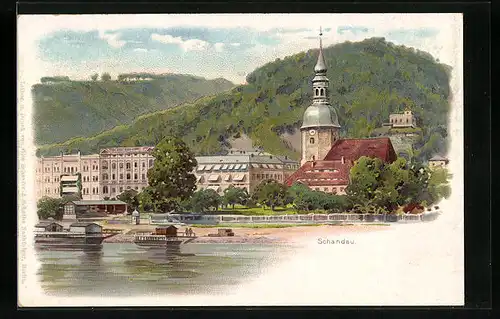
(293,234)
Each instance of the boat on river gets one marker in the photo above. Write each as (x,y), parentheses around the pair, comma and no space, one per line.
(163,237)
(86,236)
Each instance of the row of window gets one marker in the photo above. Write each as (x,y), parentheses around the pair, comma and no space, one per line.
(94,168)
(277,177)
(326,189)
(95,178)
(400,121)
(72,169)
(47,179)
(56,190)
(128,165)
(105,176)
(320,92)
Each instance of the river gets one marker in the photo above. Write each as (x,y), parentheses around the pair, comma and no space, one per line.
(122,270)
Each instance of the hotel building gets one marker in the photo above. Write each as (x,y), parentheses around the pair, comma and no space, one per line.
(115,170)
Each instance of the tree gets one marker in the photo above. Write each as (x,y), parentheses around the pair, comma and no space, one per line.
(50,207)
(203,200)
(145,200)
(234,195)
(105,76)
(94,77)
(171,176)
(271,194)
(130,197)
(365,178)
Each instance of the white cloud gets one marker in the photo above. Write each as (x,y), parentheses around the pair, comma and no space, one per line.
(112,39)
(186,45)
(219,47)
(140,50)
(236,44)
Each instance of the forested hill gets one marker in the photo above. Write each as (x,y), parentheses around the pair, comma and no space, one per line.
(65,109)
(368,80)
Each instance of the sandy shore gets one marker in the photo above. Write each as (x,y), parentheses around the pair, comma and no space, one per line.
(291,235)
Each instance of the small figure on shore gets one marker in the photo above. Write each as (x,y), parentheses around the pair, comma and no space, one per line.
(187,231)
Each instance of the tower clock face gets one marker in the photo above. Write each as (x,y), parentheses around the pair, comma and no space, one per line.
(312,132)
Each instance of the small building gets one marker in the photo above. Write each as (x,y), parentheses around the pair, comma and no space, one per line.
(438,161)
(170,231)
(402,120)
(96,206)
(136,217)
(85,228)
(48,226)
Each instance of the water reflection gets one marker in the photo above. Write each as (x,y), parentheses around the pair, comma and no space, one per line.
(125,269)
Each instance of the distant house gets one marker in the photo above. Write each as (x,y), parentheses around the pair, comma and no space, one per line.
(97,206)
(170,231)
(85,228)
(402,120)
(48,226)
(438,161)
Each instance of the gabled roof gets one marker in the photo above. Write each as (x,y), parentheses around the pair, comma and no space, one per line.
(46,223)
(83,224)
(321,173)
(353,149)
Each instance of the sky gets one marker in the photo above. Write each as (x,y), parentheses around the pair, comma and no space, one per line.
(210,45)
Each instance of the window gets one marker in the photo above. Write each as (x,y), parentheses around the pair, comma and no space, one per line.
(121,165)
(267,176)
(72,170)
(128,175)
(121,176)
(113,190)
(406,120)
(93,190)
(135,176)
(128,166)
(143,164)
(150,163)
(143,176)
(317,92)
(311,140)
(105,164)
(322,92)
(113,166)
(136,188)
(317,188)
(135,164)
(121,189)
(342,189)
(113,176)
(105,190)
(128,187)
(104,176)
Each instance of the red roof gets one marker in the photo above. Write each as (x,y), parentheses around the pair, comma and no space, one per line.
(353,149)
(331,170)
(321,173)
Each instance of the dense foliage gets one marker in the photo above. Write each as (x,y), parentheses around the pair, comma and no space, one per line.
(399,184)
(66,109)
(368,81)
(48,207)
(171,180)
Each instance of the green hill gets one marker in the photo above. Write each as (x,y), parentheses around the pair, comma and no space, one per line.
(65,109)
(368,80)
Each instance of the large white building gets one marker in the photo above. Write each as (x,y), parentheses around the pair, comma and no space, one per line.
(115,170)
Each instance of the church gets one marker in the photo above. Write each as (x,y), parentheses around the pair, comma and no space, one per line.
(326,158)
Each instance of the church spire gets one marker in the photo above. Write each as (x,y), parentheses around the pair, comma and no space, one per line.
(320,65)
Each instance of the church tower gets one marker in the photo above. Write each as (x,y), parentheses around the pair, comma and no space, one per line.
(320,125)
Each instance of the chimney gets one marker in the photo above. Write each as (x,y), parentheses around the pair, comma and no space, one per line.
(342,159)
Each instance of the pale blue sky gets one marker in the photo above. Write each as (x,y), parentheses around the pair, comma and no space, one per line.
(227,50)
